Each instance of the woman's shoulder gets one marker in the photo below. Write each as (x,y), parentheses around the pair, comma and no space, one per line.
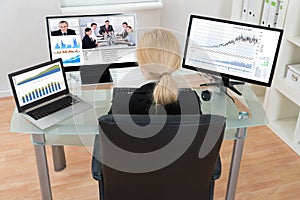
(190,102)
(148,87)
(188,94)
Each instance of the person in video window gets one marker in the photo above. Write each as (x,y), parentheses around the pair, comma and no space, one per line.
(130,38)
(94,27)
(63,30)
(124,32)
(87,41)
(106,29)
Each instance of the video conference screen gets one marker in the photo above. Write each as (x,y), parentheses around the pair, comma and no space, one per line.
(92,39)
(240,51)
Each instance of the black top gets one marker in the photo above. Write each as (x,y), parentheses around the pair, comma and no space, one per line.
(124,34)
(103,29)
(88,43)
(141,102)
(59,33)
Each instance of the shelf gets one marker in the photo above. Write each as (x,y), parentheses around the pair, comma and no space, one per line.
(260,92)
(261,99)
(284,129)
(282,100)
(294,40)
(288,90)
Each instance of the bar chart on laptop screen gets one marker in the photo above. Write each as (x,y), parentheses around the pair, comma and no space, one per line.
(231,48)
(37,84)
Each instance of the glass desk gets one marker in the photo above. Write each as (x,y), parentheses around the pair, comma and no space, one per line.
(82,128)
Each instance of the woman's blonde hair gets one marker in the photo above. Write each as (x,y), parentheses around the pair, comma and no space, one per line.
(158,53)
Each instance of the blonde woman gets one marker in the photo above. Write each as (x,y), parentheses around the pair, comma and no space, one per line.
(158,57)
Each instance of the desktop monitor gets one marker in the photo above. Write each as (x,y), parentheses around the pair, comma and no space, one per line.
(232,50)
(108,47)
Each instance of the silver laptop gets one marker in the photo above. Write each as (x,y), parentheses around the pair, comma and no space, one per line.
(42,95)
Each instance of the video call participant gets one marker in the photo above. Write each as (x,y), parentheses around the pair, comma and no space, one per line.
(87,41)
(106,28)
(130,38)
(63,25)
(158,56)
(124,32)
(94,27)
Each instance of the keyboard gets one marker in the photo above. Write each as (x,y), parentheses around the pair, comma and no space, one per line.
(52,107)
(120,90)
(123,90)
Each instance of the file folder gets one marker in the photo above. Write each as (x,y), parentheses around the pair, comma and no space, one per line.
(265,13)
(282,8)
(255,11)
(236,10)
(245,10)
(273,12)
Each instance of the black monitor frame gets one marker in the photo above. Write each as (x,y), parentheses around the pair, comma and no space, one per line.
(226,76)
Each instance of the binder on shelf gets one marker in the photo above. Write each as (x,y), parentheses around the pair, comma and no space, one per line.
(254,11)
(282,8)
(272,15)
(265,12)
(245,10)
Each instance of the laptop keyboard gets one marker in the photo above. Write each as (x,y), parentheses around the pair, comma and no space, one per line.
(52,107)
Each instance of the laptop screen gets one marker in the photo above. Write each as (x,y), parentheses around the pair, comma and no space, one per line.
(38,84)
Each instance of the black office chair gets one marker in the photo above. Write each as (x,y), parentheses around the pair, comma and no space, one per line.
(176,163)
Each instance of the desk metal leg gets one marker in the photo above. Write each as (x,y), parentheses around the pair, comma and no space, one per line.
(42,165)
(235,163)
(59,159)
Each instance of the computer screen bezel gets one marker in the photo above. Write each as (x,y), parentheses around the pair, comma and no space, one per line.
(40,101)
(226,75)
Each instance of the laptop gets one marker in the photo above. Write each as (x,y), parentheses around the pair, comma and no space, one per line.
(42,95)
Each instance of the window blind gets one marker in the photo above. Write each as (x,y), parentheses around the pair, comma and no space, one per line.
(77,3)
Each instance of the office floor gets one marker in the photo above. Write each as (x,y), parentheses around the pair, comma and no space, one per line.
(269,169)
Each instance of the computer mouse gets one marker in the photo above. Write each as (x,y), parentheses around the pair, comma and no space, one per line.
(206,95)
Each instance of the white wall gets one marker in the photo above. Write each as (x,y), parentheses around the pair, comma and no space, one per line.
(23,35)
(175,13)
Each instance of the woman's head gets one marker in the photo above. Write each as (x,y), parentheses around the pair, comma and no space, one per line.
(158,52)
(158,56)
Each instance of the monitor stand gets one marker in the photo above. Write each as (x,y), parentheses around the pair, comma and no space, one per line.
(95,74)
(224,82)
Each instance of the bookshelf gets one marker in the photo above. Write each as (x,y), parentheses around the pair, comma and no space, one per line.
(282,100)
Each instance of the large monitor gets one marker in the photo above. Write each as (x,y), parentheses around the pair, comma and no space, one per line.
(93,43)
(232,50)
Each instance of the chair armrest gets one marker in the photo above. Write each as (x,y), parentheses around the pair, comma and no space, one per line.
(218,169)
(96,164)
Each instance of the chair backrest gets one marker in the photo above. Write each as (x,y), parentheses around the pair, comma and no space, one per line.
(159,157)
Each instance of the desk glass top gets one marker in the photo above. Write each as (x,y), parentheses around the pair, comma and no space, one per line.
(86,123)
